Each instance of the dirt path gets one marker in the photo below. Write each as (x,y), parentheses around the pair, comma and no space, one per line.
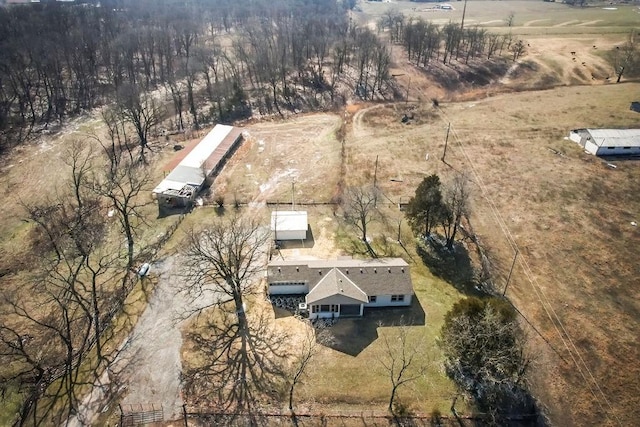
(148,368)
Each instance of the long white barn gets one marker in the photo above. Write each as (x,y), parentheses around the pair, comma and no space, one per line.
(181,186)
(608,142)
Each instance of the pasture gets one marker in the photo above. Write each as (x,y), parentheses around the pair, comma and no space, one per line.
(529,17)
(568,215)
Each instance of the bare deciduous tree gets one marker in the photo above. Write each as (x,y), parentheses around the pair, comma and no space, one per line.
(359,206)
(306,351)
(518,49)
(626,58)
(140,110)
(456,205)
(226,258)
(121,184)
(244,354)
(400,359)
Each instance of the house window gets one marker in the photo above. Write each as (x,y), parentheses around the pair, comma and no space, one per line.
(373,298)
(626,148)
(326,308)
(315,308)
(397,298)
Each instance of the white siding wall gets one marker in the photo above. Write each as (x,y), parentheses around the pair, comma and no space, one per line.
(291,234)
(575,137)
(385,301)
(276,289)
(590,147)
(323,315)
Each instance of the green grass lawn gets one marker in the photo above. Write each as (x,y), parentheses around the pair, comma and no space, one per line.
(349,375)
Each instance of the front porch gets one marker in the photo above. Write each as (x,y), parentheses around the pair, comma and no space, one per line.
(317,311)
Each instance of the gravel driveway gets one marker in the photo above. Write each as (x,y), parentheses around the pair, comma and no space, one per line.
(149,366)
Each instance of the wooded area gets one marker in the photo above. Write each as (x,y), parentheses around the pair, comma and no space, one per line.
(220,60)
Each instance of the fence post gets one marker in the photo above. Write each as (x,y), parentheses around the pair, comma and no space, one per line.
(121,415)
(184,414)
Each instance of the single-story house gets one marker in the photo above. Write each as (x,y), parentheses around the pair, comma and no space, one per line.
(181,186)
(343,287)
(608,142)
(289,225)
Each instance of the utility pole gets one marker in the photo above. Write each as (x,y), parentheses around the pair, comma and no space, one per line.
(375,183)
(510,271)
(446,141)
(293,195)
(375,174)
(464,11)
(408,86)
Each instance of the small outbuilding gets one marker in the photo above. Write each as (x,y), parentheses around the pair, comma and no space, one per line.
(289,225)
(608,142)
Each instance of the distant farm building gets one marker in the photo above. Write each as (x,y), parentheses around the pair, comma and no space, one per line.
(608,142)
(342,287)
(181,186)
(289,225)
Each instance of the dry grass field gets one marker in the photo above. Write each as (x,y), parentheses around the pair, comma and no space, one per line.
(529,16)
(566,212)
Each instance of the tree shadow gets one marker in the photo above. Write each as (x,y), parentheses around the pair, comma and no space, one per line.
(234,368)
(352,335)
(454,267)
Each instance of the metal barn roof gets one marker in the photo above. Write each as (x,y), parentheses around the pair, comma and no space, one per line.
(615,137)
(289,221)
(201,160)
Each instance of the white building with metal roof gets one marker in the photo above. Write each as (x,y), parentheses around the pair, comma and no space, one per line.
(180,187)
(289,225)
(608,142)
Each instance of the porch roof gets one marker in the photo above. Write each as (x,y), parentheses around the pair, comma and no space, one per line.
(336,284)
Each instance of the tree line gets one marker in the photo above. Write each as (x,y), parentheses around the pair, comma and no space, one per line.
(217,59)
(425,41)
(55,325)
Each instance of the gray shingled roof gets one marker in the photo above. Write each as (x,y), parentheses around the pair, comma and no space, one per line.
(382,276)
(336,283)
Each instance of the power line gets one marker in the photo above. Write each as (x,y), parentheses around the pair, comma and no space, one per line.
(553,316)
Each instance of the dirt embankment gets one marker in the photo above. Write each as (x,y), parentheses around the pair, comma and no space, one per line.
(546,63)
